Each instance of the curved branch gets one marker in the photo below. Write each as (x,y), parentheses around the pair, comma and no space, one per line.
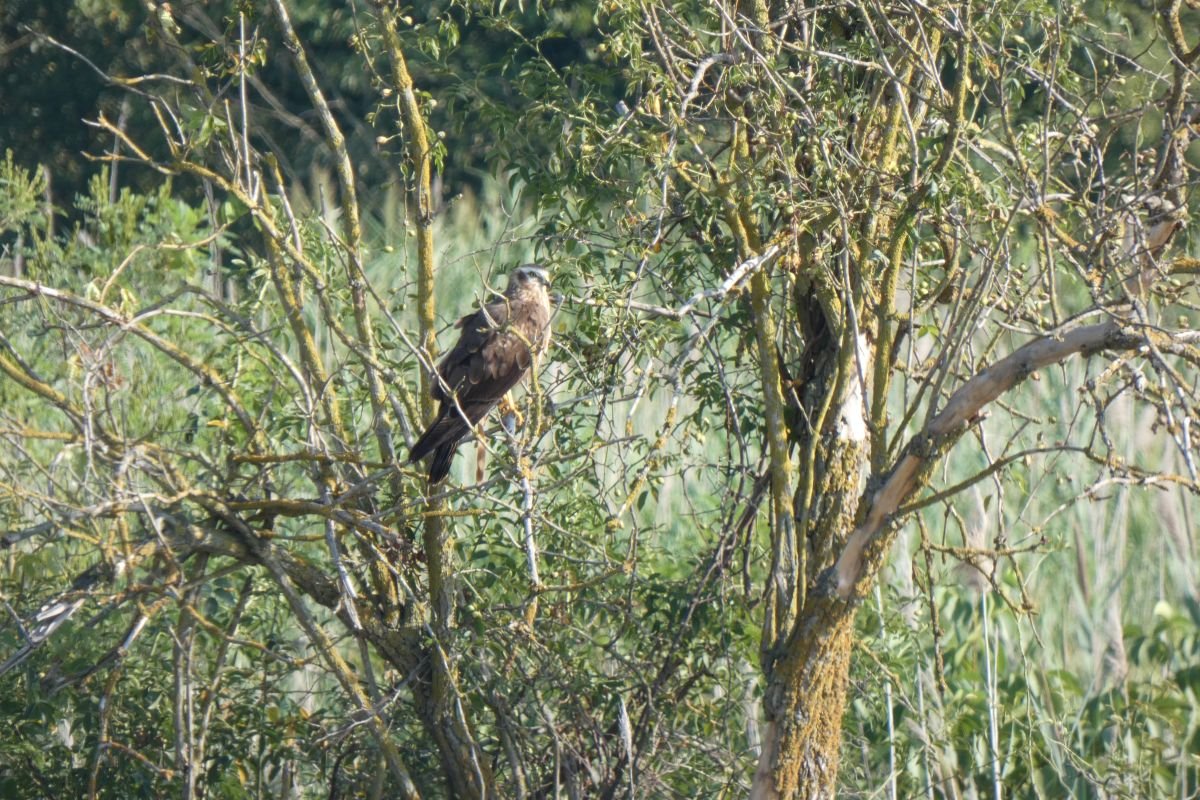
(203,372)
(854,566)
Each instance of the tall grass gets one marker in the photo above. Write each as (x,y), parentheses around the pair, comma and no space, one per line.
(1069,670)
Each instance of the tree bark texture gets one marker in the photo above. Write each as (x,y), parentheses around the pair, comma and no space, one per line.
(808,673)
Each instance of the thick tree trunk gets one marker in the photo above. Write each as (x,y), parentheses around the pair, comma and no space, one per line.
(807,679)
(807,667)
(806,697)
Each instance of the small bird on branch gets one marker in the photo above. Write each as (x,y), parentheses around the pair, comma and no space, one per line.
(498,344)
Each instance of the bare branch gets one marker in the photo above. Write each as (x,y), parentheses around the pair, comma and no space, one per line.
(964,405)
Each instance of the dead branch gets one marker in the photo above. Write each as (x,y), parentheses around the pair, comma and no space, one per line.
(965,405)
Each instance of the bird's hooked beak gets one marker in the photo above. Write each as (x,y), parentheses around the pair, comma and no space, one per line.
(528,275)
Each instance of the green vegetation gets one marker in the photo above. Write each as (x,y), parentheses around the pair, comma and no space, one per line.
(787,236)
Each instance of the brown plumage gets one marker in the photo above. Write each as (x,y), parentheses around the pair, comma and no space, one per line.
(494,352)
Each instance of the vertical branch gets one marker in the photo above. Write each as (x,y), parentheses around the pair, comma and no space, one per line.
(251,184)
(531,548)
(885,332)
(436,550)
(787,571)
(421,159)
(345,170)
(989,681)
(102,742)
(888,703)
(345,584)
(185,705)
(787,567)
(441,706)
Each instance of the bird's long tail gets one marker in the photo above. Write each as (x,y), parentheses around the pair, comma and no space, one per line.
(448,427)
(439,465)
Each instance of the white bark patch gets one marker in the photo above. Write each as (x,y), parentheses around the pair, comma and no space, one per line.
(763,787)
(963,406)
(852,419)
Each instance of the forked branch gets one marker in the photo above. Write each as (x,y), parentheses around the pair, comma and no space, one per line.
(860,558)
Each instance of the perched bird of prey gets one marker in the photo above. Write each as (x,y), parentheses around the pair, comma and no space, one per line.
(497,345)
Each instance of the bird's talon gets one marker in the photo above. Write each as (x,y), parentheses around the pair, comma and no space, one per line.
(509,409)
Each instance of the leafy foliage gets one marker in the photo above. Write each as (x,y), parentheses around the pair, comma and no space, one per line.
(786,237)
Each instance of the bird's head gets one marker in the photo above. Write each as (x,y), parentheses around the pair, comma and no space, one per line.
(526,278)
